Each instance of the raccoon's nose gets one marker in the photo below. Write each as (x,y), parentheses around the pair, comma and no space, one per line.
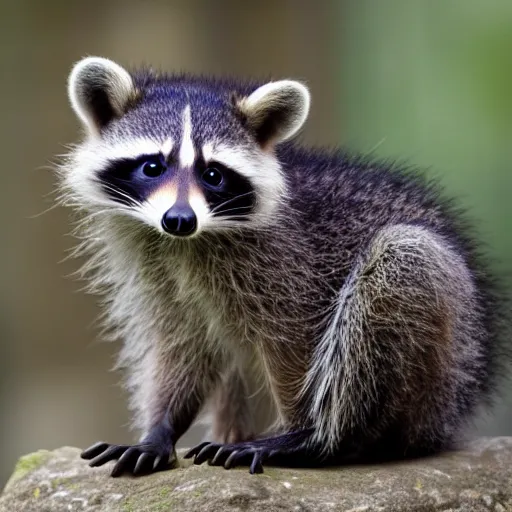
(180,220)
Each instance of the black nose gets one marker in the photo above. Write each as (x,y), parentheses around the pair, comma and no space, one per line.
(180,220)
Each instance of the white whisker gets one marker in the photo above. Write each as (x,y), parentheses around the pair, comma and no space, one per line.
(230,200)
(218,214)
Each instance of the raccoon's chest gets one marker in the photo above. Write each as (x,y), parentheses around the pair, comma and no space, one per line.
(253,299)
(219,300)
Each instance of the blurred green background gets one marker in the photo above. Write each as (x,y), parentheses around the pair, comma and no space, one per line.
(426,81)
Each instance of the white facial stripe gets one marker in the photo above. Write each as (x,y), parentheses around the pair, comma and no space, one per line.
(234,157)
(166,147)
(98,155)
(208,151)
(187,153)
(133,148)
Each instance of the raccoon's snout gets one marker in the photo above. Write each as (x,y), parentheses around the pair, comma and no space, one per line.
(180,220)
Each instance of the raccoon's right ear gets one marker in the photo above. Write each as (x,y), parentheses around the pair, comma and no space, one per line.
(276,111)
(99,91)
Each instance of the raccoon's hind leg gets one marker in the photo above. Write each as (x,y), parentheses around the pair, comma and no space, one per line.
(400,364)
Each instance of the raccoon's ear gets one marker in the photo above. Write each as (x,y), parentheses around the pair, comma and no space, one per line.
(276,111)
(99,90)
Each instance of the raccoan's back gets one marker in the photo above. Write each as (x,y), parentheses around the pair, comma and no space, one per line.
(324,307)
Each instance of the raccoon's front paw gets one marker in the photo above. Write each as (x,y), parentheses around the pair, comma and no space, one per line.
(289,449)
(252,454)
(139,459)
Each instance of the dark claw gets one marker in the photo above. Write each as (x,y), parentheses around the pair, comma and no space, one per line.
(229,461)
(111,453)
(94,450)
(144,464)
(206,453)
(195,450)
(159,463)
(257,463)
(125,462)
(237,458)
(220,457)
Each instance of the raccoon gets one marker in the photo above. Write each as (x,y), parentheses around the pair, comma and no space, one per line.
(325,307)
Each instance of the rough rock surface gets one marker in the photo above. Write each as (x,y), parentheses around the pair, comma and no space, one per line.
(476,479)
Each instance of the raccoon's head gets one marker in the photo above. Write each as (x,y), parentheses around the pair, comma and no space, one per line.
(181,154)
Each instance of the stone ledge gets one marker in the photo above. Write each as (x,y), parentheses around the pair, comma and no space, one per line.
(476,479)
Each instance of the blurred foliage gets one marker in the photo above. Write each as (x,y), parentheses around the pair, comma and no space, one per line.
(431,81)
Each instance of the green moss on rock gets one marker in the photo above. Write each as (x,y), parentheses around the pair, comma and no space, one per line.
(29,463)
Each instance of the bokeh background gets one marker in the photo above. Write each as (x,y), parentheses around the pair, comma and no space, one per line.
(427,81)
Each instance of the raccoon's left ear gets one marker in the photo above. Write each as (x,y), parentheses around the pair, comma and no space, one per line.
(276,111)
(99,91)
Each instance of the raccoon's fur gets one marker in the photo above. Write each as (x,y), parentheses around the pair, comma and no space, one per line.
(329,308)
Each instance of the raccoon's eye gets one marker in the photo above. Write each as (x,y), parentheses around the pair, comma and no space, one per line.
(153,168)
(212,176)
